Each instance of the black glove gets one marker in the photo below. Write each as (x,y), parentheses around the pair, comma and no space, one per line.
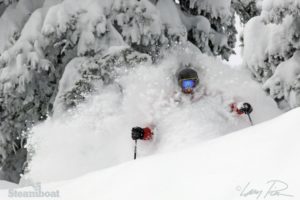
(137,133)
(246,108)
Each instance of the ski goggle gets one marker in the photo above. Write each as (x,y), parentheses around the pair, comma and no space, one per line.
(188,84)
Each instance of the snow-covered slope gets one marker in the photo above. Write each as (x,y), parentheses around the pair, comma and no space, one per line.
(256,163)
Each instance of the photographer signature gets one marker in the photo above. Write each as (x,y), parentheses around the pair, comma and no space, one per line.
(275,188)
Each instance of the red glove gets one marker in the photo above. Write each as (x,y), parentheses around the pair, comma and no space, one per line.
(148,134)
(234,108)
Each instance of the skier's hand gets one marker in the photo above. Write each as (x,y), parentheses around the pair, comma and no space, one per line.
(246,108)
(137,133)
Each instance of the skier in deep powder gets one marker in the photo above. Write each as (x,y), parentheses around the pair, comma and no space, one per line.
(188,81)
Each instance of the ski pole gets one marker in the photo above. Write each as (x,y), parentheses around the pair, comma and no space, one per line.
(135,149)
(251,122)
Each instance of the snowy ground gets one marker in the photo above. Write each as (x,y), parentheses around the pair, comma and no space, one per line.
(97,134)
(259,162)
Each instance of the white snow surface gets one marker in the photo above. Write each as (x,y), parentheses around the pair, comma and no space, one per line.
(263,158)
(97,134)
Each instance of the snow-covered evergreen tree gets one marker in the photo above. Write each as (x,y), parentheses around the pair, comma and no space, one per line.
(271,50)
(90,74)
(210,25)
(4,4)
(246,9)
(54,52)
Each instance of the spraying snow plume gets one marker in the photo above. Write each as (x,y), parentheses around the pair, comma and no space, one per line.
(97,134)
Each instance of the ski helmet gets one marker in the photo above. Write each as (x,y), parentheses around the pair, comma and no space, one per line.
(188,79)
